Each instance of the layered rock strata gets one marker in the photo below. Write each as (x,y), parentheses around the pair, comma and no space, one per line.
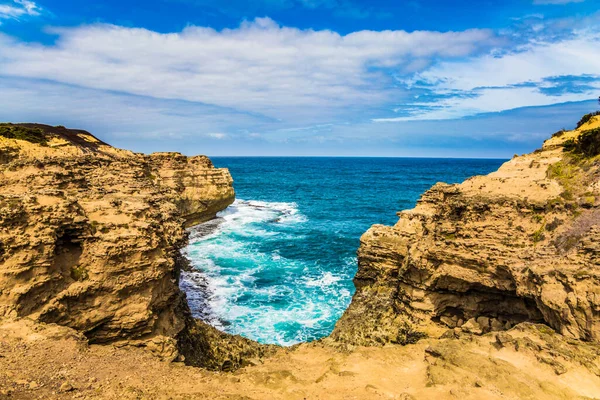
(90,236)
(520,244)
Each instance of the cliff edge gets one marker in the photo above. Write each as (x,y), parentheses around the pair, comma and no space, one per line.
(90,236)
(486,290)
(521,244)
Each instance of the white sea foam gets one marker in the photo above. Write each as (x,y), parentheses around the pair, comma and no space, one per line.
(242,289)
(242,211)
(237,218)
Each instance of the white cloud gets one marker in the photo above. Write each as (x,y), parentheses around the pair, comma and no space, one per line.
(494,83)
(274,80)
(532,63)
(260,67)
(218,135)
(116,115)
(19,8)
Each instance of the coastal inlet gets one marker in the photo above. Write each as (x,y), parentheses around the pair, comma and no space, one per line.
(277,267)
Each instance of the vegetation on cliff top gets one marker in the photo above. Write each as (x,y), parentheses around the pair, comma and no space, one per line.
(587,117)
(33,135)
(587,144)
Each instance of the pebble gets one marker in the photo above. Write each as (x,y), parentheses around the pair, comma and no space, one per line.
(66,387)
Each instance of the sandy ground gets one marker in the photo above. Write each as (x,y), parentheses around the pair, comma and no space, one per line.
(52,362)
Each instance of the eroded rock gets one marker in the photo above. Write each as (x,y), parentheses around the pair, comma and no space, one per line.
(90,235)
(515,245)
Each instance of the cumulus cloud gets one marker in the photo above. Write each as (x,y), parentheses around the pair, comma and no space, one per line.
(149,124)
(270,81)
(19,8)
(260,67)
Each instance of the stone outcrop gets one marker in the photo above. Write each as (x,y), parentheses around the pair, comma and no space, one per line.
(520,244)
(90,234)
(201,190)
(474,283)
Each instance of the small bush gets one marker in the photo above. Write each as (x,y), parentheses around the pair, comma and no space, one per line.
(588,143)
(569,145)
(559,133)
(563,172)
(538,235)
(33,135)
(567,195)
(586,118)
(408,335)
(79,273)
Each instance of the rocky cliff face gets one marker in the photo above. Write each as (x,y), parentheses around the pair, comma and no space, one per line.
(521,244)
(90,234)
(90,238)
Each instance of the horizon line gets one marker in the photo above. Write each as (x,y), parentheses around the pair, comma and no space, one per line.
(333,156)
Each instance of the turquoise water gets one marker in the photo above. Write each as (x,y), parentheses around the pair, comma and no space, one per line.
(277,266)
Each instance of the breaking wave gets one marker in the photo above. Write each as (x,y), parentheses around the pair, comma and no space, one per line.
(251,277)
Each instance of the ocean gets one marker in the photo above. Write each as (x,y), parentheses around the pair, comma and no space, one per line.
(277,265)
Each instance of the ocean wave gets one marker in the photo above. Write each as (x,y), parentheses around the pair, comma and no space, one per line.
(250,278)
(249,211)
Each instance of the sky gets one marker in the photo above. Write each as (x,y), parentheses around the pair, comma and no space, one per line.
(415,78)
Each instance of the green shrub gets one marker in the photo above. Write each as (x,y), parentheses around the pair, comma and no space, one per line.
(408,335)
(33,135)
(79,273)
(586,118)
(538,235)
(588,143)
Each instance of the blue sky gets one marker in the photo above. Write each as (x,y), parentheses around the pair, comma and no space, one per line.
(304,77)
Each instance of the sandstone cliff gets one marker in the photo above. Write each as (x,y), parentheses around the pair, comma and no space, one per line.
(90,235)
(463,297)
(520,244)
